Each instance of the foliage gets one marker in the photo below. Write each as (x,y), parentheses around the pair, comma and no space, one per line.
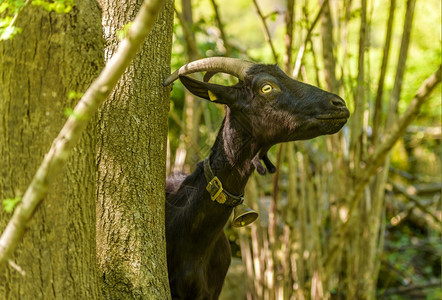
(10,203)
(321,166)
(121,34)
(59,6)
(10,9)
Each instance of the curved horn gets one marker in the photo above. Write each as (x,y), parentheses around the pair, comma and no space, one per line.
(233,66)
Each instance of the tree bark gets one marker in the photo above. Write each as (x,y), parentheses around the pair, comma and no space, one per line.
(57,254)
(131,164)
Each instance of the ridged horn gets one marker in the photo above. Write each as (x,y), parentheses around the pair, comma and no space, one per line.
(233,66)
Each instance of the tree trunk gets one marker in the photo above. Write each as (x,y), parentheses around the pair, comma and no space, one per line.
(131,163)
(55,54)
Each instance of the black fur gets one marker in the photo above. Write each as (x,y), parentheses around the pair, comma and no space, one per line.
(198,253)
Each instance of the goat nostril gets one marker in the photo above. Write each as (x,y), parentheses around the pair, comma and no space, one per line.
(338,102)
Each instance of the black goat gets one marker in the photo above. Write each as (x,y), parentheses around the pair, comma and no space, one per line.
(266,107)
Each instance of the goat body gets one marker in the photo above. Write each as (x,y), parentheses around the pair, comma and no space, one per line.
(200,255)
(265,108)
(198,251)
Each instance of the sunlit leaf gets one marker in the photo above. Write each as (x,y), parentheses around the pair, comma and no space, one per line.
(10,203)
(122,33)
(9,32)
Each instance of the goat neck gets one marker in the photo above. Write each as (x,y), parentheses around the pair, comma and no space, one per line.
(193,213)
(233,151)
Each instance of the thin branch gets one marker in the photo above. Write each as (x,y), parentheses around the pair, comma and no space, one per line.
(400,71)
(345,66)
(266,30)
(409,288)
(399,128)
(377,159)
(188,35)
(315,64)
(17,268)
(327,49)
(301,51)
(10,27)
(356,125)
(173,115)
(378,102)
(221,27)
(289,21)
(75,125)
(415,200)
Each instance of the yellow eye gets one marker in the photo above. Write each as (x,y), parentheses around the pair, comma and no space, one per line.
(266,88)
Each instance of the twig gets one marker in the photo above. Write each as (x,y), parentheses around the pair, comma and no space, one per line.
(74,126)
(398,129)
(408,288)
(266,31)
(272,13)
(428,132)
(301,51)
(289,21)
(327,49)
(400,71)
(378,102)
(377,159)
(357,120)
(221,27)
(14,19)
(17,268)
(173,115)
(188,35)
(415,200)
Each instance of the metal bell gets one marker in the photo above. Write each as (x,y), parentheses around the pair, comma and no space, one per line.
(243,215)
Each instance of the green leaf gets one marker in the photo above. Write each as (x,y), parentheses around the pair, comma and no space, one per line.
(75,95)
(122,33)
(4,22)
(4,6)
(59,6)
(9,32)
(68,111)
(10,203)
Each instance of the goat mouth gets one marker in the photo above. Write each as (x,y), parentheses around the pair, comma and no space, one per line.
(341,119)
(331,123)
(336,117)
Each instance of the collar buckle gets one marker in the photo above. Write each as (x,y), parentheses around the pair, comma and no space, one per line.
(215,189)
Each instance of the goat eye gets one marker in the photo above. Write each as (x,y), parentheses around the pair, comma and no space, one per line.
(266,88)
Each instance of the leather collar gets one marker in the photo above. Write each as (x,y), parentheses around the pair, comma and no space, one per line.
(216,190)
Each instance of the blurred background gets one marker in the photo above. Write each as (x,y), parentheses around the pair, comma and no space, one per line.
(346,216)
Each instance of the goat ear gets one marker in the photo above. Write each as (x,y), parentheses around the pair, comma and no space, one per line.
(213,92)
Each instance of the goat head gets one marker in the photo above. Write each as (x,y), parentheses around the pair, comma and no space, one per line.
(275,107)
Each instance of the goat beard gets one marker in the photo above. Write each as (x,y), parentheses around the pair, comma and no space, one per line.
(331,126)
(318,128)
